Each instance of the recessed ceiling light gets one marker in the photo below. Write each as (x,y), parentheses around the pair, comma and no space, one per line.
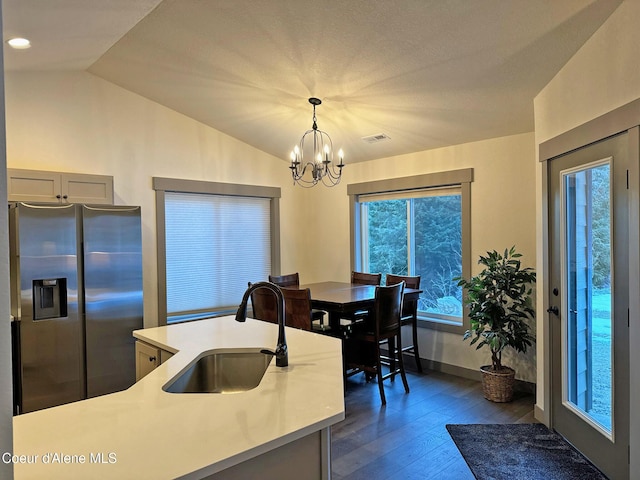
(19,43)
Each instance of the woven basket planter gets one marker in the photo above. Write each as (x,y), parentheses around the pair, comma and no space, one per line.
(498,386)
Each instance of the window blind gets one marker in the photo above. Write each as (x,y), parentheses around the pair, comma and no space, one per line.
(407,194)
(214,245)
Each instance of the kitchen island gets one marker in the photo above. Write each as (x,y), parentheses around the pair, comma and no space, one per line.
(282,425)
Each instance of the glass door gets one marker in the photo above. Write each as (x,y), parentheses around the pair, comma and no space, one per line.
(589,302)
(586,262)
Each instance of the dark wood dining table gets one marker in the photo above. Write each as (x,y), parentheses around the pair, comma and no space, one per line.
(340,298)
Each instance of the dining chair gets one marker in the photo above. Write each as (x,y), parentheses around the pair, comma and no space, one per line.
(362,278)
(293,280)
(289,280)
(409,315)
(384,324)
(264,306)
(297,307)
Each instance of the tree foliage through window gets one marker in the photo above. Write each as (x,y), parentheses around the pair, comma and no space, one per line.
(419,236)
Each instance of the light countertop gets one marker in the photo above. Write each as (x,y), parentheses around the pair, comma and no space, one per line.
(144,432)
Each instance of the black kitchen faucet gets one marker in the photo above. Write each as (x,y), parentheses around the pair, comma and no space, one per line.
(281,354)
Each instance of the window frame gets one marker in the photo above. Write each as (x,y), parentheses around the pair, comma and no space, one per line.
(162,185)
(459,178)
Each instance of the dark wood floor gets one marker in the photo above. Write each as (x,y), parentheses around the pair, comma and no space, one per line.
(407,438)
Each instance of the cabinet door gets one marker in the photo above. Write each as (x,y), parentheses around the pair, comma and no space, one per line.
(82,188)
(33,186)
(164,356)
(55,187)
(147,359)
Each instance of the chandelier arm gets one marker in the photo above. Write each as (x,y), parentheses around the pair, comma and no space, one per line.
(297,171)
(300,180)
(330,181)
(335,172)
(333,176)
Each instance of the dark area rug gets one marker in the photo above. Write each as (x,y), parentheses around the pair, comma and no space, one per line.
(520,451)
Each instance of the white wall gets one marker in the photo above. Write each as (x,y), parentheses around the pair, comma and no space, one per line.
(603,75)
(76,122)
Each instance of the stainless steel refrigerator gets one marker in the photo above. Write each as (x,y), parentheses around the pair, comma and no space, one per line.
(76,297)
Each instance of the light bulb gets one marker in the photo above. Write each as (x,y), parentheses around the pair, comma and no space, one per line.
(19,43)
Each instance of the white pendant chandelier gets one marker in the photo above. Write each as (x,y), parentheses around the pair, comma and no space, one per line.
(316,146)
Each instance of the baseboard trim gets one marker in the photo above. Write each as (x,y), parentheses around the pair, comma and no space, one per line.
(540,415)
(468,373)
(455,370)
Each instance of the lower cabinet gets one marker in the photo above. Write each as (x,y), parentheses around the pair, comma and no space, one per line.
(148,357)
(310,454)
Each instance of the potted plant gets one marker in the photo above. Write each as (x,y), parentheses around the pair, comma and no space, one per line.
(500,305)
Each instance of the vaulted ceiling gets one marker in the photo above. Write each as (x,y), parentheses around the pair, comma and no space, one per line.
(424,73)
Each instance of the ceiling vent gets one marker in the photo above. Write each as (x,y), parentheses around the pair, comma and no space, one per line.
(379,137)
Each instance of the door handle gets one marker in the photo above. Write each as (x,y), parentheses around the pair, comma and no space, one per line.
(553,310)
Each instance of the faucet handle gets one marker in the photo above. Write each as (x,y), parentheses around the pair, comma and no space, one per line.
(282,355)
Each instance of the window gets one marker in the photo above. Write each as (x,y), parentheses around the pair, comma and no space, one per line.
(417,226)
(217,237)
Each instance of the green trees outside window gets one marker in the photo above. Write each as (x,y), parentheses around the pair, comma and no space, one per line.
(418,236)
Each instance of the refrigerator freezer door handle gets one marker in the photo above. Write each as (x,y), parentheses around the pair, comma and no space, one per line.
(125,209)
(17,366)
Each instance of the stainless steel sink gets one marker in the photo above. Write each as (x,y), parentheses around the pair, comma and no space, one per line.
(222,371)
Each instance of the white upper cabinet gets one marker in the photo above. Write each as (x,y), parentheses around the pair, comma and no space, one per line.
(56,187)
